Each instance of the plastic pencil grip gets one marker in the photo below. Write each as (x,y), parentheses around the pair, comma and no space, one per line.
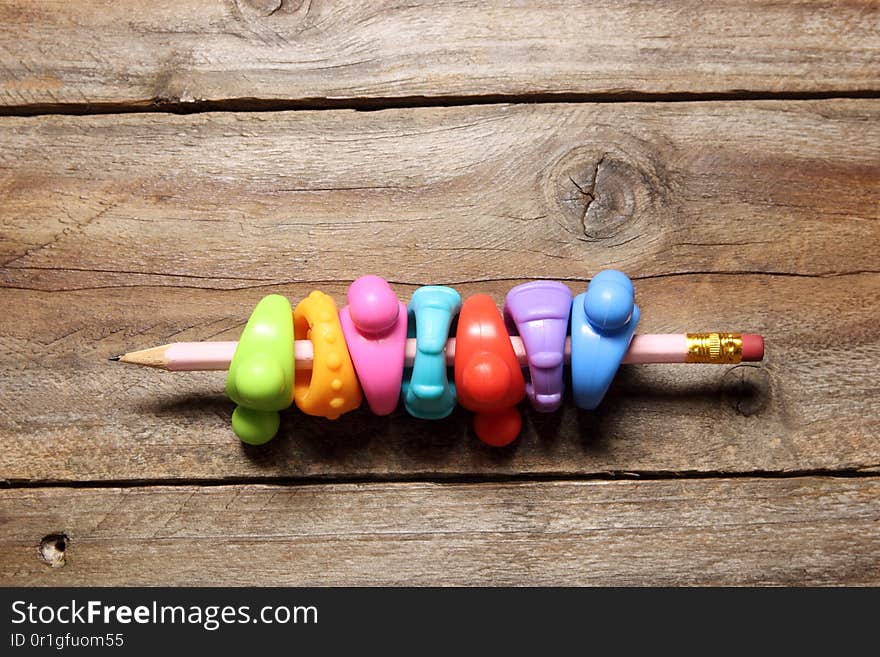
(360,352)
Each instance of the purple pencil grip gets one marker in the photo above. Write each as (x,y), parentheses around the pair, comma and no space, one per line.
(540,312)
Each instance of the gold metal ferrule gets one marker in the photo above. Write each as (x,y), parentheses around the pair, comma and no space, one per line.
(714,348)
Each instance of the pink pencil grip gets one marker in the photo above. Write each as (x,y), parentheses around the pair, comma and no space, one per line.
(374,325)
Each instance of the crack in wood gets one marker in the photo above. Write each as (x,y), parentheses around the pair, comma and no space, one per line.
(169,105)
(590,193)
(65,232)
(862,472)
(269,284)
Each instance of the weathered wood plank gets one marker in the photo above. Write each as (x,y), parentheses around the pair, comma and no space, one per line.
(67,414)
(804,530)
(440,194)
(122,232)
(140,52)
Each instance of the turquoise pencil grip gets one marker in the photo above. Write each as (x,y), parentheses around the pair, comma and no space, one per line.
(427,391)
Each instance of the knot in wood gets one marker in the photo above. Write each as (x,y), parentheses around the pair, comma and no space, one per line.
(263,7)
(746,389)
(606,192)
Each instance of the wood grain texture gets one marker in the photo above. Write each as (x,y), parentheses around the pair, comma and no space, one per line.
(141,53)
(440,195)
(67,414)
(805,530)
(121,232)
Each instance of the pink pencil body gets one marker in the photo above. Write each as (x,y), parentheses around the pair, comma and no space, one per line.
(192,356)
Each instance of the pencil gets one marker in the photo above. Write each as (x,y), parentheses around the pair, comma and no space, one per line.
(644,348)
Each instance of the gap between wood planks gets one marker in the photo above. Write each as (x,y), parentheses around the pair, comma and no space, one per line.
(370,104)
(486,478)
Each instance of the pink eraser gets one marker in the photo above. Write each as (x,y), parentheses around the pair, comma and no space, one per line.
(753,347)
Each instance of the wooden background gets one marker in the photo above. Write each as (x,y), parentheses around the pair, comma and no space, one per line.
(163,164)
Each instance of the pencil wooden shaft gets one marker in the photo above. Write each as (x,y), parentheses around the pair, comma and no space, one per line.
(195,356)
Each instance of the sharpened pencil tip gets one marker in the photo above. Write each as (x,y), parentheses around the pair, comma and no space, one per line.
(114,357)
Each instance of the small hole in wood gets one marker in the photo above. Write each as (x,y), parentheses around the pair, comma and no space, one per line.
(53,550)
